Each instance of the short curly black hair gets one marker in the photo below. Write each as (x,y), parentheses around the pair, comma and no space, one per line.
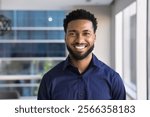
(80,14)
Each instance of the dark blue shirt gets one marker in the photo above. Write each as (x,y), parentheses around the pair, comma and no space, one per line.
(98,82)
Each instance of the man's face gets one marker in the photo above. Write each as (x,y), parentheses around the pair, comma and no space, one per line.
(80,38)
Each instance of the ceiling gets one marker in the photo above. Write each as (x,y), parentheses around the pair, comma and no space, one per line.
(49,4)
(81,2)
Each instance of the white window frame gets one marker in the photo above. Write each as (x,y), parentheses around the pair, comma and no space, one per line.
(141,49)
(141,92)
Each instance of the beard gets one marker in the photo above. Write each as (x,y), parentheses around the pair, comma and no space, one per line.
(78,56)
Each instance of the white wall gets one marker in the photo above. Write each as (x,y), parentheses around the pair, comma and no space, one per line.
(102,46)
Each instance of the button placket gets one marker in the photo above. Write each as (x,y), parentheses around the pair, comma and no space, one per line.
(81,88)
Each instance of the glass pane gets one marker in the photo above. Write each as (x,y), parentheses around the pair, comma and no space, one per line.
(28,18)
(149,50)
(39,18)
(8,36)
(24,88)
(129,47)
(133,48)
(32,50)
(34,35)
(26,67)
(9,14)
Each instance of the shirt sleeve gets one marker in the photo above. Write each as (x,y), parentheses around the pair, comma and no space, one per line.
(118,89)
(43,90)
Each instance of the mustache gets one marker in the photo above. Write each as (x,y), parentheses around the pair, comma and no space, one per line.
(79,44)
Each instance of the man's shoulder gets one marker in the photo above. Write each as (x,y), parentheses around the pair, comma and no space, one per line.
(55,70)
(105,68)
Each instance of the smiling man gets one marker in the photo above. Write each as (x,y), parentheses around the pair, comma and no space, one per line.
(81,76)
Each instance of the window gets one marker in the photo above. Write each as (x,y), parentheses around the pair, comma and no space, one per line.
(35,45)
(129,49)
(149,50)
(125,47)
(32,49)
(133,38)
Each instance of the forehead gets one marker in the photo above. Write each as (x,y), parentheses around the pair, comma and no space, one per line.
(80,24)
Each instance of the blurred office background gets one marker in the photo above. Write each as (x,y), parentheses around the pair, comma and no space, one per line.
(34,42)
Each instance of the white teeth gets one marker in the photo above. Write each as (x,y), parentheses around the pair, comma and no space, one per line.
(80,47)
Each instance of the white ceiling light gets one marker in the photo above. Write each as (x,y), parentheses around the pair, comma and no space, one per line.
(50,19)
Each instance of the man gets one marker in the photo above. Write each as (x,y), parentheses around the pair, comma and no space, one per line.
(81,76)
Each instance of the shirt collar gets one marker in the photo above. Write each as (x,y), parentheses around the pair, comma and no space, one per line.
(94,62)
(67,63)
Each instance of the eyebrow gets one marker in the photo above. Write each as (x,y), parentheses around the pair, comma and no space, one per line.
(76,31)
(86,31)
(72,31)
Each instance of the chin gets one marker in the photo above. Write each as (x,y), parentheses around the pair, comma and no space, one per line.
(79,56)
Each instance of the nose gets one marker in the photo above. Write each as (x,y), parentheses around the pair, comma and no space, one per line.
(80,38)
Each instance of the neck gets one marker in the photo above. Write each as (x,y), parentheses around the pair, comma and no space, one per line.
(83,64)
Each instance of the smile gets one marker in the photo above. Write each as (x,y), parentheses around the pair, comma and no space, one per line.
(80,47)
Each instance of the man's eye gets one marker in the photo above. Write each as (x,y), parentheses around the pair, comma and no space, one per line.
(72,34)
(86,34)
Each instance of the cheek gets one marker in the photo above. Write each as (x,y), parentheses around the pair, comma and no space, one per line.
(69,40)
(92,41)
(94,37)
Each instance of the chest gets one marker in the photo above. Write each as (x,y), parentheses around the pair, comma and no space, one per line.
(91,88)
